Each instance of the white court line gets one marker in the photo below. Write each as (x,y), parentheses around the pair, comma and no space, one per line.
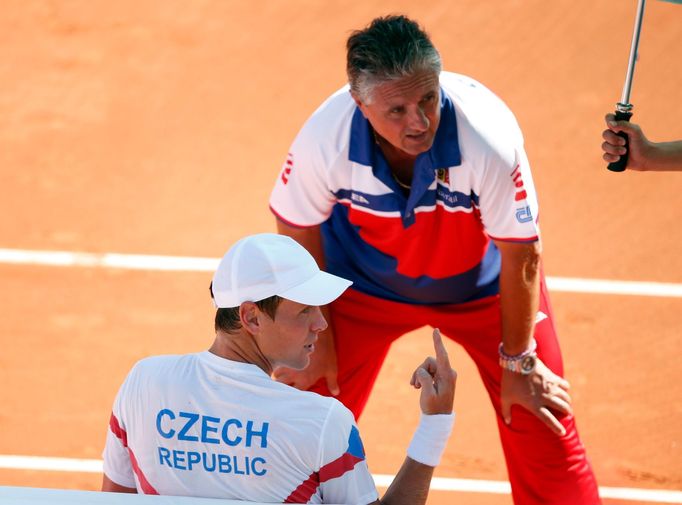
(637,288)
(381,480)
(197,264)
(108,260)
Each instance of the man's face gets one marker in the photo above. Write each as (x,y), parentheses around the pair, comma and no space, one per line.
(289,338)
(405,112)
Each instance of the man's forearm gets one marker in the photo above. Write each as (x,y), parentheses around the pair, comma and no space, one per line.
(411,484)
(665,157)
(519,294)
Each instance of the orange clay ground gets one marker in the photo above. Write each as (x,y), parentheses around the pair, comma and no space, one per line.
(159,127)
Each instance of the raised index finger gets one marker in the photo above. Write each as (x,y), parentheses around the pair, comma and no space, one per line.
(442,359)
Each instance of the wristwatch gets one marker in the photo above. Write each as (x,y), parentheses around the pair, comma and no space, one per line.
(523,363)
(524,366)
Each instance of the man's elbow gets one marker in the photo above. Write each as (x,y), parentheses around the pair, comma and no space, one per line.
(535,254)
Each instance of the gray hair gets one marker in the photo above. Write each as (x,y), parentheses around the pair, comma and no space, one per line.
(390,48)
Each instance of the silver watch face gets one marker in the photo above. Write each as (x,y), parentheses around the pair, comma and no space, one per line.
(528,364)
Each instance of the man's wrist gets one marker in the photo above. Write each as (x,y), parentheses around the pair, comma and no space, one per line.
(530,348)
(430,438)
(523,362)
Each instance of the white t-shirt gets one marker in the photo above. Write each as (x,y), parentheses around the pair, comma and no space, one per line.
(201,425)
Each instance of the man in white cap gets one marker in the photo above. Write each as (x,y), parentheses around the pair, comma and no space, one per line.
(214,423)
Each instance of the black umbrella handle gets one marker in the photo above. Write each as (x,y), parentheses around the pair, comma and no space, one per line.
(619,166)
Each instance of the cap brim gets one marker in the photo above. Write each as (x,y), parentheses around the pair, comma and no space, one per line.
(321,289)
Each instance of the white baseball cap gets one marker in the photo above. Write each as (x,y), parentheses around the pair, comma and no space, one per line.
(267,264)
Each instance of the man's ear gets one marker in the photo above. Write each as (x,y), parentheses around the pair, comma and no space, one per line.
(358,102)
(248,316)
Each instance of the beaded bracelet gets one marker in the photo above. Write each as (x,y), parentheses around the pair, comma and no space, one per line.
(532,346)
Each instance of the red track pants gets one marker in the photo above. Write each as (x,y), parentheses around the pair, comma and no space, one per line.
(543,468)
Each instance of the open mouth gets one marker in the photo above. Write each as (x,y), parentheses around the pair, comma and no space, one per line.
(417,137)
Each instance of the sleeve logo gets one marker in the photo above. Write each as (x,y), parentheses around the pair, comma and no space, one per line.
(518,182)
(523,215)
(288,165)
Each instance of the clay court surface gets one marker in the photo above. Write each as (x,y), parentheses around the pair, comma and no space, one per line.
(159,127)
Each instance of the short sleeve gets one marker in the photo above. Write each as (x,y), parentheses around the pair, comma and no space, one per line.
(301,196)
(117,464)
(508,203)
(344,475)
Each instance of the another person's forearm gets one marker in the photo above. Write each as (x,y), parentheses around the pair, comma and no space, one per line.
(664,157)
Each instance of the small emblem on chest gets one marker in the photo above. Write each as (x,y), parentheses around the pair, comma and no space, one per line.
(444,176)
(359,198)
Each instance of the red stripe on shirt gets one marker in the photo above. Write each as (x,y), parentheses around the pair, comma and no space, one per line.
(116,429)
(338,467)
(332,470)
(305,490)
(147,488)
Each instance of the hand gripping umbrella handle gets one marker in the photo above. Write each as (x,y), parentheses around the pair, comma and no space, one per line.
(624,108)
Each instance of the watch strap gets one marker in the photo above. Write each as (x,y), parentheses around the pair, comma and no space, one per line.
(523,363)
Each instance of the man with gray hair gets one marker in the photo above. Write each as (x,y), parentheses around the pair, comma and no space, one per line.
(414,184)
